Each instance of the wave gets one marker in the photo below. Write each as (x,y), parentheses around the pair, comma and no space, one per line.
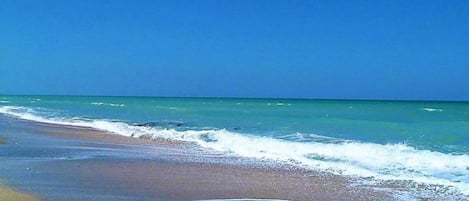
(431,109)
(108,104)
(278,104)
(5,101)
(351,158)
(161,124)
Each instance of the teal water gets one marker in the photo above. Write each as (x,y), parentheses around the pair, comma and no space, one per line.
(439,126)
(422,141)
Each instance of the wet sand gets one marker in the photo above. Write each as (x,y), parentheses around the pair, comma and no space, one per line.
(121,168)
(183,181)
(7,194)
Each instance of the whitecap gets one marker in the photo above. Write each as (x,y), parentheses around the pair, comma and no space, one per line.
(431,109)
(108,104)
(116,105)
(399,162)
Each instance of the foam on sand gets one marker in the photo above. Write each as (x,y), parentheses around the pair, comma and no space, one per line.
(396,162)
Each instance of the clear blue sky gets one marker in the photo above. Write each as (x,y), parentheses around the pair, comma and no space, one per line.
(292,49)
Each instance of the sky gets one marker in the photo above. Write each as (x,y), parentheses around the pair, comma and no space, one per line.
(411,50)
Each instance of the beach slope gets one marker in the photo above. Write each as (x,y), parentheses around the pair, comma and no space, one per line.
(70,163)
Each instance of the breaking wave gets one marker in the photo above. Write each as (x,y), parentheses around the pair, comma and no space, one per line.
(351,158)
(431,109)
(108,104)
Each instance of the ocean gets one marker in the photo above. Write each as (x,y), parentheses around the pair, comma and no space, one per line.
(413,141)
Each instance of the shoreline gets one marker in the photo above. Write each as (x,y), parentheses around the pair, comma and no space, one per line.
(166,170)
(9,194)
(148,169)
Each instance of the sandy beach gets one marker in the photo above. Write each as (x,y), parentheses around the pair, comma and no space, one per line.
(81,163)
(234,100)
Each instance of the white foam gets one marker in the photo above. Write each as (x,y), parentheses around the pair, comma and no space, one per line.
(380,161)
(108,104)
(33,100)
(431,109)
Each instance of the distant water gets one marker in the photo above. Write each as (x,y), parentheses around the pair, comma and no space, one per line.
(425,142)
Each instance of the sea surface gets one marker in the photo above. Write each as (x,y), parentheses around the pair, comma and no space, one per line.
(416,142)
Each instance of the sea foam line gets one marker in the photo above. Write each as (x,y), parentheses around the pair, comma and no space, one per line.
(431,109)
(108,104)
(380,161)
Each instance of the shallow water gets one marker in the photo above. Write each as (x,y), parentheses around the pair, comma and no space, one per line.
(60,163)
(425,142)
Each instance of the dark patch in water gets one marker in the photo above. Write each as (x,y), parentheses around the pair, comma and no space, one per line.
(207,138)
(162,124)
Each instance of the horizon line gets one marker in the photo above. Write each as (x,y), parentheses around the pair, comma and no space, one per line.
(233,97)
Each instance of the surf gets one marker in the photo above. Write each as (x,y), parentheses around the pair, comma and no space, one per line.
(399,161)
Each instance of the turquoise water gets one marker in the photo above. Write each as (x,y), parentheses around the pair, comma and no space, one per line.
(439,126)
(422,141)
